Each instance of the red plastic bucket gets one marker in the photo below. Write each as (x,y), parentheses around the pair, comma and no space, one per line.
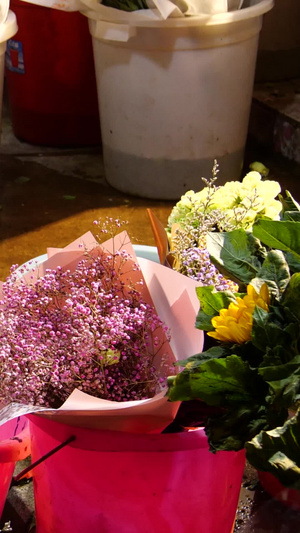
(288,497)
(51,78)
(7,30)
(108,482)
(14,446)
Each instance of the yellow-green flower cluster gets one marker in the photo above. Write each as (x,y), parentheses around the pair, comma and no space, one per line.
(241,202)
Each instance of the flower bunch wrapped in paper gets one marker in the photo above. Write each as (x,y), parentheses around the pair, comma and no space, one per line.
(89,336)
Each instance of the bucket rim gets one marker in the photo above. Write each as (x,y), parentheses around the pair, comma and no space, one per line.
(9,27)
(151,18)
(118,441)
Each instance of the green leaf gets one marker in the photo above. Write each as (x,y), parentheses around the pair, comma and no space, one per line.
(293,262)
(260,332)
(278,452)
(275,271)
(230,430)
(126,5)
(218,382)
(290,208)
(274,329)
(179,387)
(234,254)
(281,235)
(284,382)
(278,372)
(291,215)
(198,359)
(277,356)
(211,302)
(203,321)
(291,296)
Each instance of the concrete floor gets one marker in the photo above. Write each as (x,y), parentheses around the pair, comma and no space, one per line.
(50,196)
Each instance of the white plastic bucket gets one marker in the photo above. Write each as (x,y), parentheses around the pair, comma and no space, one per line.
(8,28)
(174,95)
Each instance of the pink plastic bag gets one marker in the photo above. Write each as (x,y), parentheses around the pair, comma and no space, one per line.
(14,446)
(116,482)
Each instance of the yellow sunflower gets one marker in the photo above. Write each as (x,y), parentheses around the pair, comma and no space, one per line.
(235,323)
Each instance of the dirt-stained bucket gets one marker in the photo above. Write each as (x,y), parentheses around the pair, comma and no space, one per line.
(174,95)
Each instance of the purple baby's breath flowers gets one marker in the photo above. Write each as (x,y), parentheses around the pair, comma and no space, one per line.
(84,329)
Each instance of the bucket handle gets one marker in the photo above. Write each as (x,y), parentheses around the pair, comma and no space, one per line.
(20,477)
(109,31)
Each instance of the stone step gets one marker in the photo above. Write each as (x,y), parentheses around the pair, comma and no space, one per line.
(275,117)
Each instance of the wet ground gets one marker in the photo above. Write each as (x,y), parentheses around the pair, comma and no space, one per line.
(50,196)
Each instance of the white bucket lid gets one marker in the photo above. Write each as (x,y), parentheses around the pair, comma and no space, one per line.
(150,17)
(9,27)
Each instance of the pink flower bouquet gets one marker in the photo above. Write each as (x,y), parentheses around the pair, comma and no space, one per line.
(89,336)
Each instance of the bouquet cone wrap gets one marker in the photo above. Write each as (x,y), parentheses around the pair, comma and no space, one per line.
(175,301)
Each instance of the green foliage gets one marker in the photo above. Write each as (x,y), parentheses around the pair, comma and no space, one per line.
(230,429)
(279,234)
(234,254)
(211,303)
(278,452)
(196,360)
(275,271)
(126,5)
(253,384)
(291,296)
(219,381)
(290,208)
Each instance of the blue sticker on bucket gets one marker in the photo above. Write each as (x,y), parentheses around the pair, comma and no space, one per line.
(14,57)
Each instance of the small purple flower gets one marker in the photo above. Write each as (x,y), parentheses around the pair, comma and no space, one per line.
(197,265)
